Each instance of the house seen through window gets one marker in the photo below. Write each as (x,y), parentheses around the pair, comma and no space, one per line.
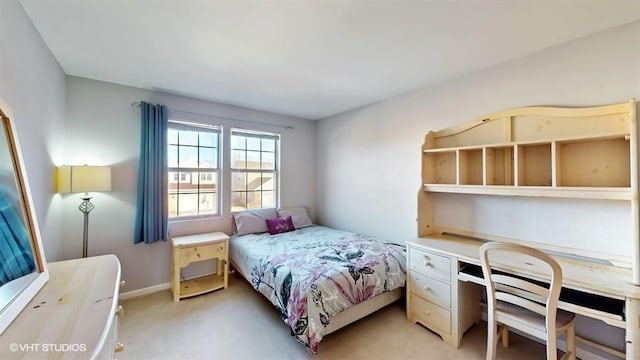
(194,162)
(193,154)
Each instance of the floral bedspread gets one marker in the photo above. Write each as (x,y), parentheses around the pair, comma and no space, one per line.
(314,273)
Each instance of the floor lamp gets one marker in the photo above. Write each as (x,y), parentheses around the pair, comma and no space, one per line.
(86,179)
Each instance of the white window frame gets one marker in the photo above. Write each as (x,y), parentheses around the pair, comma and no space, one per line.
(219,191)
(276,171)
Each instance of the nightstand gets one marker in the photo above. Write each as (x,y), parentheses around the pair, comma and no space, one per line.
(199,247)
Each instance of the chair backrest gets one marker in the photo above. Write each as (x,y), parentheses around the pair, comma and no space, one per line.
(521,291)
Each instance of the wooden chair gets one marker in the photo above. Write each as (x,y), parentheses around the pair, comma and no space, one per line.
(524,305)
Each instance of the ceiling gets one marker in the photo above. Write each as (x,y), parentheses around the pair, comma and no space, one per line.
(306,58)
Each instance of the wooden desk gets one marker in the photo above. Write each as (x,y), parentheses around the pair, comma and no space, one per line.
(434,258)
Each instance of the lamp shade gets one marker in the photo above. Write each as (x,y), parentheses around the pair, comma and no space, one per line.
(72,179)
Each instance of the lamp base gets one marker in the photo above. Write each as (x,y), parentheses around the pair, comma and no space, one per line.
(85,207)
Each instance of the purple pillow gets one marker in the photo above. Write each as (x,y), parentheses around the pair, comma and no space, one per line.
(280,225)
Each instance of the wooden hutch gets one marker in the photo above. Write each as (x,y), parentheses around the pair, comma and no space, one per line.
(549,157)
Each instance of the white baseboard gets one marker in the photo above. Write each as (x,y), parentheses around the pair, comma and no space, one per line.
(155,288)
(145,291)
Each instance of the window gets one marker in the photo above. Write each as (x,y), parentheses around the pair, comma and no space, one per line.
(193,165)
(254,169)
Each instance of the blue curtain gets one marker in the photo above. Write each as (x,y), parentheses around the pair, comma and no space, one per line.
(16,259)
(151,210)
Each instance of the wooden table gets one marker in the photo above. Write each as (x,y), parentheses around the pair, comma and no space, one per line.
(199,247)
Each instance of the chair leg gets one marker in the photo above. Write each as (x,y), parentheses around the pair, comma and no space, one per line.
(570,335)
(504,336)
(552,345)
(492,338)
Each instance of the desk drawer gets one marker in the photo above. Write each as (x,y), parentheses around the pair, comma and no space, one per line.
(212,251)
(430,264)
(111,346)
(430,289)
(430,314)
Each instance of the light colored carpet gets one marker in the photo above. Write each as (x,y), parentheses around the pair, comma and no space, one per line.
(238,323)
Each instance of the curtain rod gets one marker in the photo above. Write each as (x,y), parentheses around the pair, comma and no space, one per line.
(286,127)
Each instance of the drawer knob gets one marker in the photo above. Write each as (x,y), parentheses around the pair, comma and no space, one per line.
(123,283)
(427,257)
(427,313)
(426,288)
(119,347)
(427,263)
(120,311)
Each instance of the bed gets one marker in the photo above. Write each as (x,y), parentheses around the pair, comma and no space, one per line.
(320,279)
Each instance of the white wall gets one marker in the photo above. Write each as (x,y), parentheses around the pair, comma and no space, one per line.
(368,160)
(103,129)
(32,84)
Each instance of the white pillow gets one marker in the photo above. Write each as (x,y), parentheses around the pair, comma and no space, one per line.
(253,221)
(299,216)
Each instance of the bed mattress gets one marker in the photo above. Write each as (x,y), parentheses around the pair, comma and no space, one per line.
(314,273)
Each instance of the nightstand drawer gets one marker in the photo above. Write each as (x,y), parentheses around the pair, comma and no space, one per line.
(430,264)
(430,289)
(430,314)
(212,251)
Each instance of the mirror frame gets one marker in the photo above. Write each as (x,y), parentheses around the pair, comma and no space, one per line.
(22,298)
